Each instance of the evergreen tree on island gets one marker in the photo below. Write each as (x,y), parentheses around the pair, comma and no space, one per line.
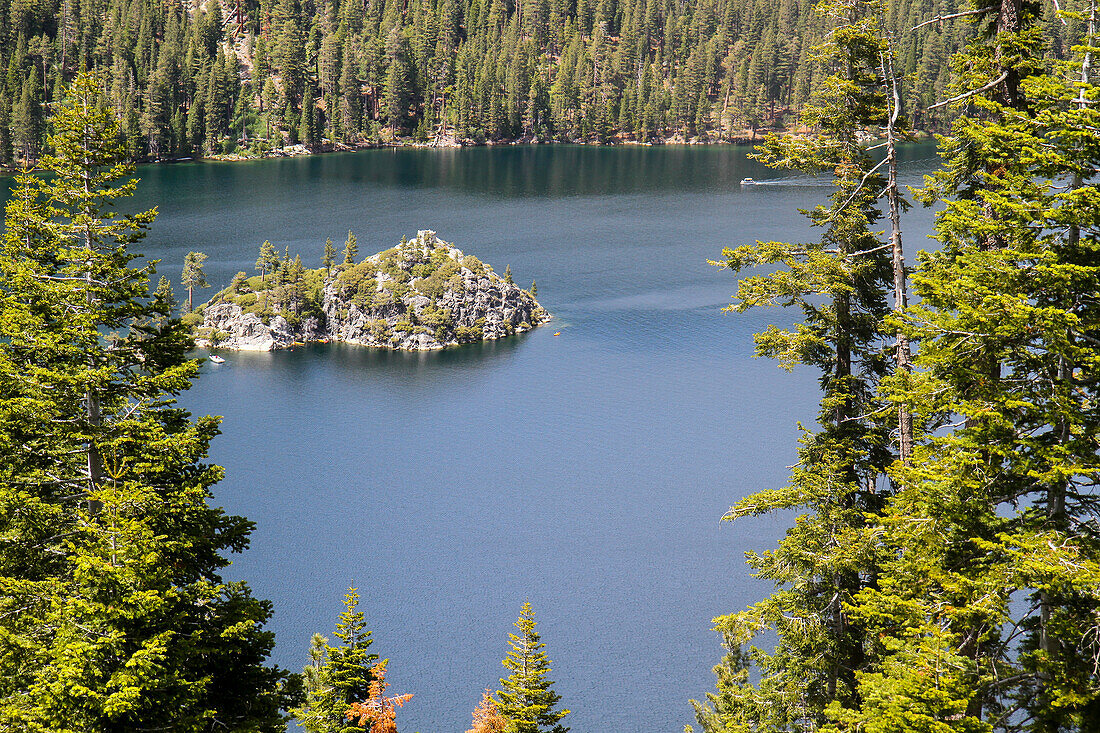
(351,249)
(328,259)
(114,613)
(194,275)
(165,295)
(528,700)
(268,260)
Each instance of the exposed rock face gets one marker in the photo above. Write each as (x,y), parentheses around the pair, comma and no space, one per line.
(425,294)
(245,331)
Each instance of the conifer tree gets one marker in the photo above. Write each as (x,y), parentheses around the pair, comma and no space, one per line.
(164,295)
(328,259)
(194,275)
(267,261)
(338,676)
(114,614)
(351,249)
(839,285)
(237,284)
(528,701)
(27,119)
(307,126)
(6,147)
(992,559)
(487,718)
(398,90)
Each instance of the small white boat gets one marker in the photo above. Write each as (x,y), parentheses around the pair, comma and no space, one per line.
(217,359)
(748,182)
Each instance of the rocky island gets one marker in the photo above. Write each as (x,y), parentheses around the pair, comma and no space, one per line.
(423,294)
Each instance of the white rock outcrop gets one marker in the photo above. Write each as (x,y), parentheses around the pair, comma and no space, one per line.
(474,304)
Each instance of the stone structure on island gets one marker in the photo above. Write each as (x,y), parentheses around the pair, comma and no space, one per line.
(423,294)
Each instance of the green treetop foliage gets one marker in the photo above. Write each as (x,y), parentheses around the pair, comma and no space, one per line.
(528,700)
(468,69)
(114,613)
(328,259)
(351,248)
(194,274)
(165,295)
(338,676)
(267,261)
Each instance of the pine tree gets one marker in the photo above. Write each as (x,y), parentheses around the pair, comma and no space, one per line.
(114,612)
(328,259)
(307,125)
(238,283)
(267,261)
(351,249)
(6,147)
(487,718)
(398,92)
(528,700)
(27,119)
(839,284)
(193,276)
(164,295)
(351,101)
(289,53)
(338,676)
(992,559)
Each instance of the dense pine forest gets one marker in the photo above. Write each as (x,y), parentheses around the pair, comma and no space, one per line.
(193,78)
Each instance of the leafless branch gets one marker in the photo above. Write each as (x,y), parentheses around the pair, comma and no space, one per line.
(971,93)
(941,18)
(859,187)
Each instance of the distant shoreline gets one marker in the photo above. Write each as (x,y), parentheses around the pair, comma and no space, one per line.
(300,151)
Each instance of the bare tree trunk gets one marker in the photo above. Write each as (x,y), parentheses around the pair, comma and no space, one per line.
(92,409)
(903,354)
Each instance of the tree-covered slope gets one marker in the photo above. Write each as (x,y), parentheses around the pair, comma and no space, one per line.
(195,78)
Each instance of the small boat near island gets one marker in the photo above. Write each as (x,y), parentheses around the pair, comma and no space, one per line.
(748,182)
(217,359)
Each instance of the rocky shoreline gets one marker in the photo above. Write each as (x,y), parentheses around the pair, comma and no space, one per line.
(422,295)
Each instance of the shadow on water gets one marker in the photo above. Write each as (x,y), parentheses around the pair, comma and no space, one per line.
(368,363)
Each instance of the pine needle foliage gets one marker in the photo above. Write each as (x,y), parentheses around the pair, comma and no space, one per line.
(528,701)
(338,676)
(113,614)
(977,574)
(839,284)
(992,553)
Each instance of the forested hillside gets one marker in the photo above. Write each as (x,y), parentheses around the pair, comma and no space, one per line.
(191,78)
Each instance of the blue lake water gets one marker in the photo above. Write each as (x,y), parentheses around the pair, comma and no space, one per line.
(585,472)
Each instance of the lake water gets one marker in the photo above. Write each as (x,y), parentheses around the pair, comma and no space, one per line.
(586,472)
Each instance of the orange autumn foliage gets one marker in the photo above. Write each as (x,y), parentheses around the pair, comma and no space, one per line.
(378,710)
(487,718)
